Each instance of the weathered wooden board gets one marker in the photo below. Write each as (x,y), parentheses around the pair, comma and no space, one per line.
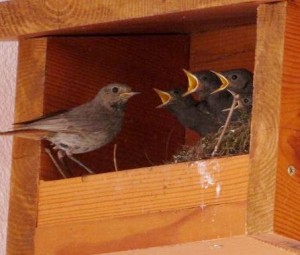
(35,17)
(287,207)
(143,207)
(142,231)
(227,246)
(265,117)
(273,192)
(26,153)
(143,191)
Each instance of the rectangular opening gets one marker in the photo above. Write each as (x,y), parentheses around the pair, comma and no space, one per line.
(151,55)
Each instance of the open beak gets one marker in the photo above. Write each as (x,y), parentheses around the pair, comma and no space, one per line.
(127,95)
(193,83)
(224,82)
(165,97)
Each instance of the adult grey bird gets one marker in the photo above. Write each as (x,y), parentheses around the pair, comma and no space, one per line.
(188,111)
(203,84)
(81,129)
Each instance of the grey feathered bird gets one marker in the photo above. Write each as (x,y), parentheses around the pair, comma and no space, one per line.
(188,111)
(81,129)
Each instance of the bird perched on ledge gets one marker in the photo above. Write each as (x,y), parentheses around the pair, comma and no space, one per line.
(81,129)
(203,84)
(189,112)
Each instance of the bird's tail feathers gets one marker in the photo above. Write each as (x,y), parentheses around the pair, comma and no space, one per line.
(26,133)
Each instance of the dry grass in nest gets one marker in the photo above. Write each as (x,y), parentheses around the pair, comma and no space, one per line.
(236,141)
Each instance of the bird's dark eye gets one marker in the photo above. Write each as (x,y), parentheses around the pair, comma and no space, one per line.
(176,92)
(246,101)
(234,77)
(115,89)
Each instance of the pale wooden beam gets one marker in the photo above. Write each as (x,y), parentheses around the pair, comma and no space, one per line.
(27,17)
(26,153)
(265,117)
(287,206)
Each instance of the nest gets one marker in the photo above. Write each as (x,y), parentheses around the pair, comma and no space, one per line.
(236,141)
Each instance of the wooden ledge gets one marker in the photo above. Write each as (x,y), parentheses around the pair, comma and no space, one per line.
(142,208)
(227,246)
(144,191)
(36,18)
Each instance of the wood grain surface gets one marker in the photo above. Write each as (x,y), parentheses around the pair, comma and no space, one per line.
(36,18)
(142,231)
(224,48)
(143,208)
(265,117)
(226,246)
(281,241)
(287,213)
(143,191)
(26,153)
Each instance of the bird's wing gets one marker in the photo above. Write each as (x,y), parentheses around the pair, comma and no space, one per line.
(75,120)
(46,116)
(54,122)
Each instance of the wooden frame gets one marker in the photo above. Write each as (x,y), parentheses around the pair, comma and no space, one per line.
(154,208)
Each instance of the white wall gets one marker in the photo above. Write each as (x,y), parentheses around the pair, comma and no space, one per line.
(8,68)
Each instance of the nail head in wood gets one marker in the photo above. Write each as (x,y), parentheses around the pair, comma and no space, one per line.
(291,170)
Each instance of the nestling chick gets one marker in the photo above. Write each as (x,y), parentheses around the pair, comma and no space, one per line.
(188,111)
(203,83)
(238,81)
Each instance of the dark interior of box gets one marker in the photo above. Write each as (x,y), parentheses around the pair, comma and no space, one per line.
(145,54)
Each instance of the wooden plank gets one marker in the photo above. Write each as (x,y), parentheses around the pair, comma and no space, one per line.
(227,246)
(265,117)
(224,49)
(191,21)
(50,16)
(280,241)
(26,153)
(287,208)
(142,231)
(78,67)
(143,191)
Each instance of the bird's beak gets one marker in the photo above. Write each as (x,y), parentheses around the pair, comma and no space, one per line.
(127,95)
(224,82)
(193,83)
(165,97)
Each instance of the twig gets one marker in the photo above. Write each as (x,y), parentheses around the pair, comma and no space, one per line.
(168,142)
(115,158)
(149,160)
(234,102)
(80,164)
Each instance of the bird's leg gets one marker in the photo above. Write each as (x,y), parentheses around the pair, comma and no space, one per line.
(236,98)
(70,156)
(48,151)
(62,156)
